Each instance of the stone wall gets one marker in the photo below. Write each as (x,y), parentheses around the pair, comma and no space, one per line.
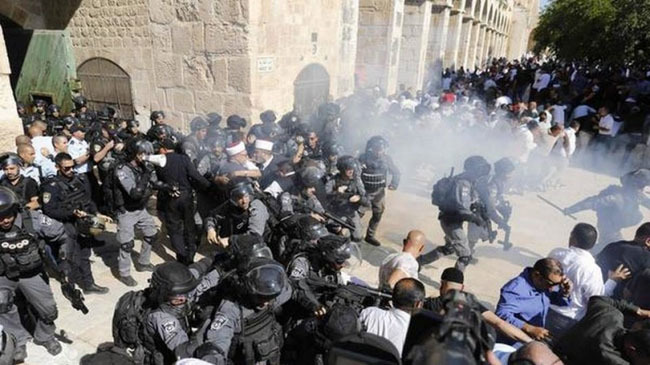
(11,123)
(415,38)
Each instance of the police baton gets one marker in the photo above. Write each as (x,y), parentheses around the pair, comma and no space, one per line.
(556,207)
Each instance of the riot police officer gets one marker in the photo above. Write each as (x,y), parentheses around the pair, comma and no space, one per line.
(54,124)
(375,167)
(234,125)
(242,213)
(21,267)
(67,198)
(193,145)
(347,194)
(460,206)
(131,192)
(244,329)
(157,118)
(25,188)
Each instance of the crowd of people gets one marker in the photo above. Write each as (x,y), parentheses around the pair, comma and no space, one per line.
(280,205)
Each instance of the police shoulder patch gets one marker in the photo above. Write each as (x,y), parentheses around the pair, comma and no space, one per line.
(46,197)
(218,322)
(169,327)
(97,147)
(45,220)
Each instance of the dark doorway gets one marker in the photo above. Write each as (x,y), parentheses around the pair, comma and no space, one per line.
(104,83)
(311,89)
(16,40)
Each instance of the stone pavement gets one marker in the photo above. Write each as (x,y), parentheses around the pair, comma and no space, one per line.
(537,228)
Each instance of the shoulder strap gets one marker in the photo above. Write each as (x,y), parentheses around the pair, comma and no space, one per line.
(28,224)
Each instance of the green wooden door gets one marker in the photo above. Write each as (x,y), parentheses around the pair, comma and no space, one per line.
(49,69)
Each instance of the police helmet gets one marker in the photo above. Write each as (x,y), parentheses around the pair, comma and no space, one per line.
(264,279)
(334,249)
(9,204)
(135,146)
(197,124)
(248,246)
(40,103)
(289,121)
(217,141)
(235,122)
(132,123)
(268,116)
(79,102)
(345,163)
(53,108)
(70,121)
(376,144)
(311,229)
(156,114)
(213,119)
(238,188)
(271,130)
(637,179)
(477,166)
(310,176)
(10,159)
(170,279)
(504,166)
(256,130)
(332,149)
(109,112)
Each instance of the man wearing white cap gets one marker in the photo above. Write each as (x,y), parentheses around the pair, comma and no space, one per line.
(238,164)
(266,161)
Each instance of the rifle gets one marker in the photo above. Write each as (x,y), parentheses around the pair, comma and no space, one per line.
(354,295)
(480,209)
(325,214)
(506,211)
(73,295)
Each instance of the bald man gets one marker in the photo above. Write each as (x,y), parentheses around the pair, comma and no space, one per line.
(403,264)
(27,154)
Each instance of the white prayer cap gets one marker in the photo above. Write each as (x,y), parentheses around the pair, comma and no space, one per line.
(262,144)
(235,148)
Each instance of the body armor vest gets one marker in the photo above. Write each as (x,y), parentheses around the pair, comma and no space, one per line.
(19,189)
(20,251)
(122,200)
(260,339)
(374,175)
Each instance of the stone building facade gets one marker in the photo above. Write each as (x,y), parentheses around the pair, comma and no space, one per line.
(192,57)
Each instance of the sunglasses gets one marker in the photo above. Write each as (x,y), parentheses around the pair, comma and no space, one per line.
(66,168)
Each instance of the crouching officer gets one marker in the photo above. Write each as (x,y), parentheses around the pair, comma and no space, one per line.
(135,180)
(21,267)
(243,329)
(67,198)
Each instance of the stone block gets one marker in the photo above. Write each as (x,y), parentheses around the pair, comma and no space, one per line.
(239,72)
(196,73)
(208,102)
(237,104)
(161,11)
(182,100)
(226,39)
(198,37)
(231,11)
(219,70)
(181,38)
(187,10)
(167,67)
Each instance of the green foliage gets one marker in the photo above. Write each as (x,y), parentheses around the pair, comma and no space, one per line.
(609,31)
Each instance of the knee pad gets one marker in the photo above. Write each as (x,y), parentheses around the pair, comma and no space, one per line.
(50,316)
(128,246)
(446,250)
(6,300)
(150,239)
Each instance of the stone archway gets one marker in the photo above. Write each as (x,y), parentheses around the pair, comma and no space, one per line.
(311,89)
(105,83)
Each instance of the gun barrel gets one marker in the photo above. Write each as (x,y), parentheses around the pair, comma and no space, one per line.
(556,207)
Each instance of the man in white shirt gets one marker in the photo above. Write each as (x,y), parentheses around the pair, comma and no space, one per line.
(392,324)
(403,264)
(606,122)
(580,267)
(582,111)
(78,148)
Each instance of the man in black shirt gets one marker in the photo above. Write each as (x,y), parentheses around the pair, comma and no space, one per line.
(634,255)
(26,188)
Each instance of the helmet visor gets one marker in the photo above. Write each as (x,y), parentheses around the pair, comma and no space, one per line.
(266,280)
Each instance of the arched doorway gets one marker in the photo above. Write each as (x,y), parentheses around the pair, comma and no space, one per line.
(311,89)
(104,83)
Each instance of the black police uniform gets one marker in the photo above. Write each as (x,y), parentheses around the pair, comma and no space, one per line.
(374,175)
(61,197)
(178,212)
(25,189)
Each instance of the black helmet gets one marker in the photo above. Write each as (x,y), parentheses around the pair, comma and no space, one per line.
(213,119)
(79,102)
(136,146)
(477,166)
(310,176)
(156,114)
(109,112)
(158,132)
(332,149)
(9,204)
(132,124)
(637,179)
(289,122)
(10,159)
(40,103)
(270,130)
(246,247)
(268,116)
(345,163)
(235,122)
(504,166)
(216,141)
(70,121)
(53,108)
(376,144)
(170,279)
(239,187)
(310,229)
(197,124)
(334,249)
(264,279)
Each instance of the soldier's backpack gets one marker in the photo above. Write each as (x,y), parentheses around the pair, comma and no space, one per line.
(442,190)
(128,323)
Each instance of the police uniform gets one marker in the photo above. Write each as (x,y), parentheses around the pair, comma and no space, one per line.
(374,175)
(25,189)
(498,209)
(340,204)
(451,221)
(164,332)
(21,263)
(299,271)
(61,196)
(76,149)
(194,149)
(131,196)
(228,219)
